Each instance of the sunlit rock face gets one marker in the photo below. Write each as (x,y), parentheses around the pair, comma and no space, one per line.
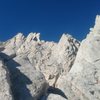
(34,64)
(84,76)
(96,29)
(65,51)
(34,69)
(52,59)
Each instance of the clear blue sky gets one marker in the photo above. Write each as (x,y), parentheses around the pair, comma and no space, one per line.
(49,17)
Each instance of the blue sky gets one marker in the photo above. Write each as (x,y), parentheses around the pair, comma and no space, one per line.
(49,17)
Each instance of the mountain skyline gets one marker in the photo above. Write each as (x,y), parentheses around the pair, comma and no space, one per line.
(51,18)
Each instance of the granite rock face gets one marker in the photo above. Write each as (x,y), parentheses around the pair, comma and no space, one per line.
(55,97)
(5,90)
(85,72)
(12,45)
(84,76)
(36,65)
(34,69)
(48,57)
(27,83)
(65,52)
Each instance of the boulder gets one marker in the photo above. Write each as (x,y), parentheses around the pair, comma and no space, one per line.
(27,82)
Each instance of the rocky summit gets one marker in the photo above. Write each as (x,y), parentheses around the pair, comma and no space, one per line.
(34,69)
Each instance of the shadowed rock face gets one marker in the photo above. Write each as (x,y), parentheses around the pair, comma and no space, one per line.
(27,83)
(5,91)
(40,70)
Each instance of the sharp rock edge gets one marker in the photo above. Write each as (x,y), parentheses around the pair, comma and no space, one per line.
(35,69)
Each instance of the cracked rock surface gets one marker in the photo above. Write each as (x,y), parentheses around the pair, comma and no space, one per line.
(34,69)
(5,90)
(36,65)
(82,82)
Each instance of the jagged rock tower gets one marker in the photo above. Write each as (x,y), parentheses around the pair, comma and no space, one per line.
(31,69)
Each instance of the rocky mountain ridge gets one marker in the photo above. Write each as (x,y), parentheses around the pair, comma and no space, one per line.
(34,69)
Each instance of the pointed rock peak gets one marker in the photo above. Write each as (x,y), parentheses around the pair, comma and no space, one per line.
(33,36)
(64,37)
(96,29)
(97,19)
(19,35)
(67,38)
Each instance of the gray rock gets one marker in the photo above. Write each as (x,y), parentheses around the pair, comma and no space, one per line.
(30,59)
(52,59)
(12,45)
(83,80)
(32,63)
(27,83)
(5,84)
(65,52)
(55,97)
